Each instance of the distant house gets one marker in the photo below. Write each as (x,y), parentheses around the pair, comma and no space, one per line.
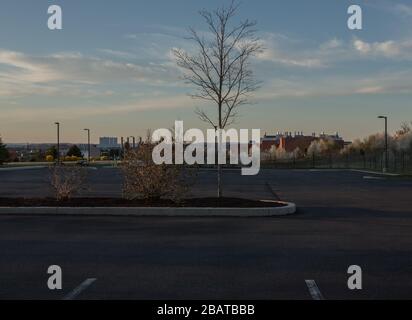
(290,143)
(268,141)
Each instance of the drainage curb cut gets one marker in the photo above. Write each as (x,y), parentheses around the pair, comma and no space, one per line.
(289,208)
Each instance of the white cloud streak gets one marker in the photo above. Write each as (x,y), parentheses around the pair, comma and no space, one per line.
(81,111)
(400,50)
(22,74)
(284,51)
(338,85)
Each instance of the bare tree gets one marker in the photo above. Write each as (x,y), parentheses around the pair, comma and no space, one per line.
(220,69)
(405,128)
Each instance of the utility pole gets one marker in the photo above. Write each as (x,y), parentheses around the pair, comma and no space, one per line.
(122,147)
(88,144)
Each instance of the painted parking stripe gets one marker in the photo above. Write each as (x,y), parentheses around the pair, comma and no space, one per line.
(86,283)
(373,178)
(314,290)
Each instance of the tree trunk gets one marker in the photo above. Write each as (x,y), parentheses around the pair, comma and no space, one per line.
(219,182)
(219,173)
(219,169)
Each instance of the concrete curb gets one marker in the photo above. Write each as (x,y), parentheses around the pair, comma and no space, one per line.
(288,209)
(22,168)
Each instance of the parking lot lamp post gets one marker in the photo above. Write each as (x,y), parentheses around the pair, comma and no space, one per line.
(385,168)
(88,144)
(58,141)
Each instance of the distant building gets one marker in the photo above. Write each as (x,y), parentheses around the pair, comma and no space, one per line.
(94,150)
(268,141)
(109,147)
(291,141)
(108,143)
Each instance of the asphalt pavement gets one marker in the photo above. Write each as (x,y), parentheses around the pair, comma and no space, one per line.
(344,218)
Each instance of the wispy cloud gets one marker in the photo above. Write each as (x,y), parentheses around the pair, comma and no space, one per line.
(21,73)
(390,6)
(401,49)
(80,111)
(395,82)
(403,9)
(280,49)
(118,53)
(284,51)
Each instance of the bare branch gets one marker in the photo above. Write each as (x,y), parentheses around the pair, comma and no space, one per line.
(204,117)
(220,69)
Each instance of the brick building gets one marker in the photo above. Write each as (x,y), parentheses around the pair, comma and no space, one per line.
(291,141)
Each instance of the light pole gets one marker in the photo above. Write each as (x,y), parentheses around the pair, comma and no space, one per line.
(122,147)
(58,141)
(88,144)
(386,142)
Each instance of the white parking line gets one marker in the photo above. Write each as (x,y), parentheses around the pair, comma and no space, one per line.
(314,290)
(86,283)
(373,178)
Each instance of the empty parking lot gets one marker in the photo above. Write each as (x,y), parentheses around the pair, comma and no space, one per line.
(344,218)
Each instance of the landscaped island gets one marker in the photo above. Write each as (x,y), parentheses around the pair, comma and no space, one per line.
(119,202)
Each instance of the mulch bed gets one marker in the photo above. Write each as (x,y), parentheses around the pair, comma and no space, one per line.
(119,202)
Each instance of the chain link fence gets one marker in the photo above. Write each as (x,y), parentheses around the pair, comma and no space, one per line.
(398,161)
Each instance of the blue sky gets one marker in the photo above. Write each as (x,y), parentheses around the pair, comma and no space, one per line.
(110,68)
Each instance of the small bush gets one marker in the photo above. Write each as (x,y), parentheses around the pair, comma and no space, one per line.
(71,158)
(52,151)
(145,179)
(67,181)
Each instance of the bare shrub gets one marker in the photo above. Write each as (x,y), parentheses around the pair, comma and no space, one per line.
(67,181)
(146,180)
